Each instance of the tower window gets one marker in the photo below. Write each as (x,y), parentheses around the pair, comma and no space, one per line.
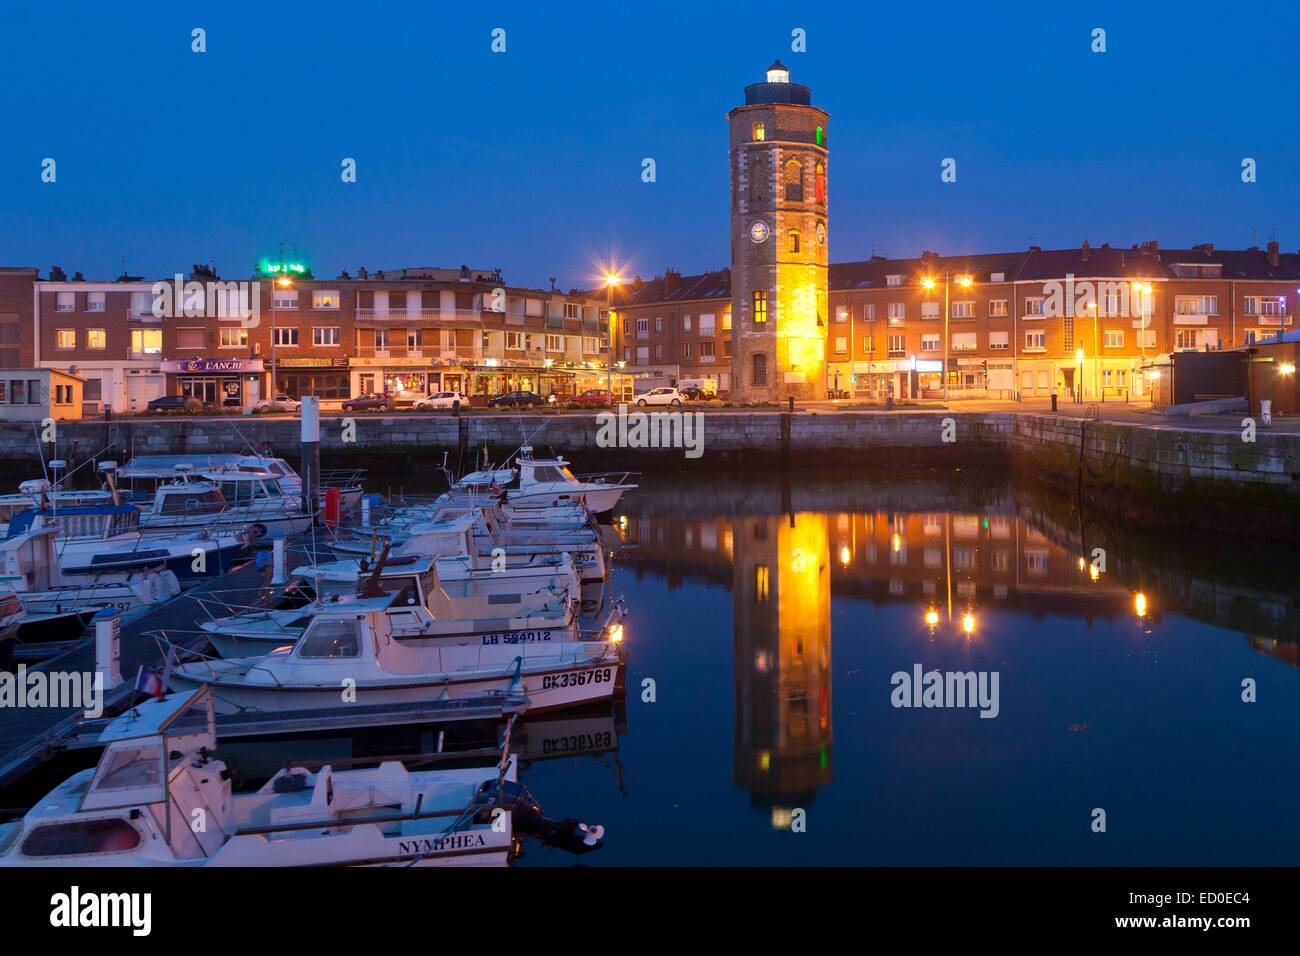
(760,369)
(760,132)
(760,307)
(794,181)
(821,184)
(821,136)
(792,244)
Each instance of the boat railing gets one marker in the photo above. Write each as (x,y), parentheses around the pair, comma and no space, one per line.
(174,653)
(343,478)
(221,604)
(603,477)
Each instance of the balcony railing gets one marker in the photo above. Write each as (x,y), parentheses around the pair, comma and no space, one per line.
(434,352)
(421,315)
(1278,320)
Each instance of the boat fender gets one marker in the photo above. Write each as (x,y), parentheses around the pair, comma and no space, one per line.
(257,530)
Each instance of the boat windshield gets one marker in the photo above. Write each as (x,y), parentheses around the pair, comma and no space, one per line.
(331,639)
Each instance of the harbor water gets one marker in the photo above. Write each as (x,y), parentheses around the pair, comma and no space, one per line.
(1146,688)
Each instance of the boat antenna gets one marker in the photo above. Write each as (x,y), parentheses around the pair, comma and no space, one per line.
(39,453)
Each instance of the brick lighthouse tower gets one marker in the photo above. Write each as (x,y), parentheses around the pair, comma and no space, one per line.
(778,242)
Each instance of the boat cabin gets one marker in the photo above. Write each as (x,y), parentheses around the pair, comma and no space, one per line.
(137,805)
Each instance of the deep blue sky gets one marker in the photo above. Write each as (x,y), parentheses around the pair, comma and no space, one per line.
(530,160)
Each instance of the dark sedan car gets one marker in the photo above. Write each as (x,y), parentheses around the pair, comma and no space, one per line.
(368,403)
(516,400)
(183,404)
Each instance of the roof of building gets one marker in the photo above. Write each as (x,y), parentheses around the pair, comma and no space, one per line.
(674,287)
(1252,263)
(1145,261)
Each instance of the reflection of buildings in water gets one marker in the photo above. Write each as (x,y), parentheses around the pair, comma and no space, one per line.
(781,601)
(1285,651)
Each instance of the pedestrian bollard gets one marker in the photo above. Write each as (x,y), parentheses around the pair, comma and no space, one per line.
(1053,401)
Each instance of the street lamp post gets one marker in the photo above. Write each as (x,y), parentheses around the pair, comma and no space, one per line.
(928,282)
(284,282)
(1096,353)
(612,279)
(1143,290)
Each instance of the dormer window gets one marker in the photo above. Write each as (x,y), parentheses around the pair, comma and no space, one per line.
(760,132)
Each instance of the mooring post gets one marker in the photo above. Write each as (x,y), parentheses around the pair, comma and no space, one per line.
(310,469)
(277,560)
(108,633)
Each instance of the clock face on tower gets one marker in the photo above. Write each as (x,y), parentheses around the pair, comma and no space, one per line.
(758,231)
(821,234)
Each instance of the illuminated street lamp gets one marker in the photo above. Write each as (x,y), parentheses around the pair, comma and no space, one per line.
(1140,604)
(282,281)
(612,279)
(1143,289)
(929,282)
(968,623)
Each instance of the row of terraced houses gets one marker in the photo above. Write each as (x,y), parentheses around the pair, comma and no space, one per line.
(1096,323)
(403,333)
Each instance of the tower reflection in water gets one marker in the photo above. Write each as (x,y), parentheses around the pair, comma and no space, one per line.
(781,598)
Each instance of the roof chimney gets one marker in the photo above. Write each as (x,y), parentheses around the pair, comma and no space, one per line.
(57,274)
(672,281)
(1085,250)
(1273,259)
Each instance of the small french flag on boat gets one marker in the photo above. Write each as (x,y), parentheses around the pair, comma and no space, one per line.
(148,682)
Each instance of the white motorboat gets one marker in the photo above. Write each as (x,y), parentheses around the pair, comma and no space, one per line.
(480,539)
(29,567)
(232,500)
(548,482)
(424,608)
(349,655)
(158,774)
(94,540)
(156,468)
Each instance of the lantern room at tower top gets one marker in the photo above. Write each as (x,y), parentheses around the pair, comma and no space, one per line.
(779,240)
(777,89)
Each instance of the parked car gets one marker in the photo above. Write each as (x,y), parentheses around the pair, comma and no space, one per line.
(441,400)
(516,400)
(697,394)
(698,389)
(175,405)
(281,403)
(368,403)
(592,396)
(660,396)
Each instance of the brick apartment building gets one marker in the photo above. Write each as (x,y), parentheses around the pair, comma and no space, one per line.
(1098,323)
(403,333)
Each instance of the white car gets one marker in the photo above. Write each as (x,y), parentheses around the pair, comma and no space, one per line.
(281,403)
(441,400)
(660,396)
